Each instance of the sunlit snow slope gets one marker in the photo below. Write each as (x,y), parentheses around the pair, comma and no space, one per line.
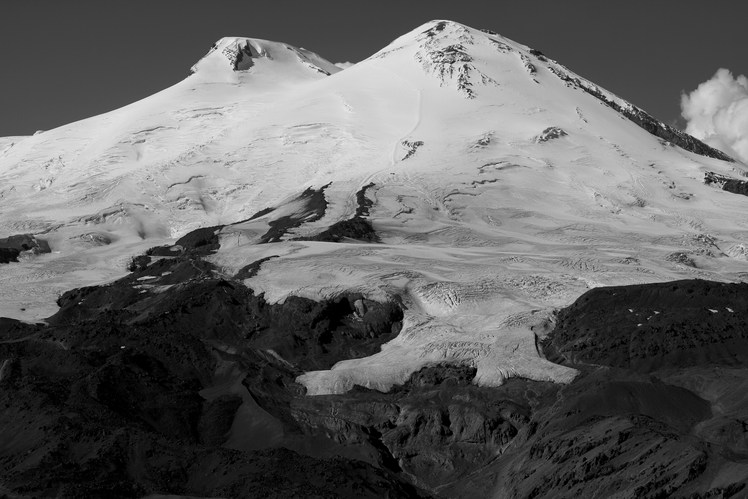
(503,186)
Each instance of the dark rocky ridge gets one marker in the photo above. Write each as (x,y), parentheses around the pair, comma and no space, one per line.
(728,184)
(206,240)
(315,207)
(251,270)
(356,228)
(640,117)
(655,326)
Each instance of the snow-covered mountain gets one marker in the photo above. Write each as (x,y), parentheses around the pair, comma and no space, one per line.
(449,194)
(501,185)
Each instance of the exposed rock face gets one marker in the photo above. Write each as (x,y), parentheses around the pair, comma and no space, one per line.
(450,62)
(610,433)
(315,206)
(356,228)
(11,247)
(252,269)
(436,427)
(550,133)
(655,326)
(727,183)
(682,258)
(8,255)
(411,147)
(204,240)
(240,55)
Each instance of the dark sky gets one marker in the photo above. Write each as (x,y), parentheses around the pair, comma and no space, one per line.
(61,61)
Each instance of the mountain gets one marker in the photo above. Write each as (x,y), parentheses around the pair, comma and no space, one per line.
(401,273)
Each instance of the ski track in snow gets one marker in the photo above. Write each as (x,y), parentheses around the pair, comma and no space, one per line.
(485,231)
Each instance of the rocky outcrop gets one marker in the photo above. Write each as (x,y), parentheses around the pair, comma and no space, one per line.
(411,146)
(649,327)
(550,133)
(8,255)
(202,241)
(444,53)
(251,270)
(356,228)
(11,247)
(726,183)
(315,206)
(681,258)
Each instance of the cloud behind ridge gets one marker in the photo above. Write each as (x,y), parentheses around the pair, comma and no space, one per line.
(717,113)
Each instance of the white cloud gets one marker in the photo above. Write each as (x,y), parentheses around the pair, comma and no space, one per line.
(344,65)
(717,113)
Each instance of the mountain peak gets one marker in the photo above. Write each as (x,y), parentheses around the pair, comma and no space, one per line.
(452,53)
(237,53)
(438,33)
(473,61)
(240,54)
